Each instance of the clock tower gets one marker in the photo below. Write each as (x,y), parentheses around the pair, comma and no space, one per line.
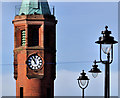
(35,50)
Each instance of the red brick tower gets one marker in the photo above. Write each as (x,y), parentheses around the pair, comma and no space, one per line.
(35,50)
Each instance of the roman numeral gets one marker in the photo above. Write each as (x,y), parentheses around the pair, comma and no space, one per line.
(40,60)
(32,67)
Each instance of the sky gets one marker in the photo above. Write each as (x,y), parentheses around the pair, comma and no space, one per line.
(79,26)
(66,0)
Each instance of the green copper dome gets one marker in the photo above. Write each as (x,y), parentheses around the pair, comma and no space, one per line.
(34,7)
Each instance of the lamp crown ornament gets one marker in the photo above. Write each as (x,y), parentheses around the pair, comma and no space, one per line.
(95,68)
(83,73)
(106,38)
(106,27)
(83,76)
(106,32)
(95,62)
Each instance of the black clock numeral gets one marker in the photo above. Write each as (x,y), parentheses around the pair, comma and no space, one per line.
(36,56)
(32,67)
(29,64)
(29,61)
(40,61)
(38,66)
(30,58)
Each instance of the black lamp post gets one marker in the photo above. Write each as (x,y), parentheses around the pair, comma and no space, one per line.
(83,82)
(106,45)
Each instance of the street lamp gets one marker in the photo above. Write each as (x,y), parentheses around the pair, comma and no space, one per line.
(106,45)
(83,81)
(95,70)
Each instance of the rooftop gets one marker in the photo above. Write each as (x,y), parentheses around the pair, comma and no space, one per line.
(29,7)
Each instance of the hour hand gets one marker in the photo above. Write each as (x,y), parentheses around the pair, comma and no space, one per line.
(34,61)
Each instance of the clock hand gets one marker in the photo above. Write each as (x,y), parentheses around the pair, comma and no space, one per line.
(34,61)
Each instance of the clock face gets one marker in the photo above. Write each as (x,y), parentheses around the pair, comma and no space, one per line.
(34,62)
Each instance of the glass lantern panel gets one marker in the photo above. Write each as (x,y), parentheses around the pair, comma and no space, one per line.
(106,48)
(83,82)
(94,75)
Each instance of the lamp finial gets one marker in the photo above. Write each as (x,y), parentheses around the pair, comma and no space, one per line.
(106,27)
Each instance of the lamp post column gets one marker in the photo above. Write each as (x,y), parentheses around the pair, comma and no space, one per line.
(108,74)
(106,79)
(83,92)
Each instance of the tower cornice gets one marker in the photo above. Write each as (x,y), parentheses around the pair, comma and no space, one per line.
(46,18)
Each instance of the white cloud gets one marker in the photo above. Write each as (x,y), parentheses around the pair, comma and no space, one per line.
(66,84)
(0,85)
(8,85)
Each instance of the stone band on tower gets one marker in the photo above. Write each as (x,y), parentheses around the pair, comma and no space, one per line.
(35,50)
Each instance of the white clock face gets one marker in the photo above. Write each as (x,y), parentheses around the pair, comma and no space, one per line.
(34,62)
